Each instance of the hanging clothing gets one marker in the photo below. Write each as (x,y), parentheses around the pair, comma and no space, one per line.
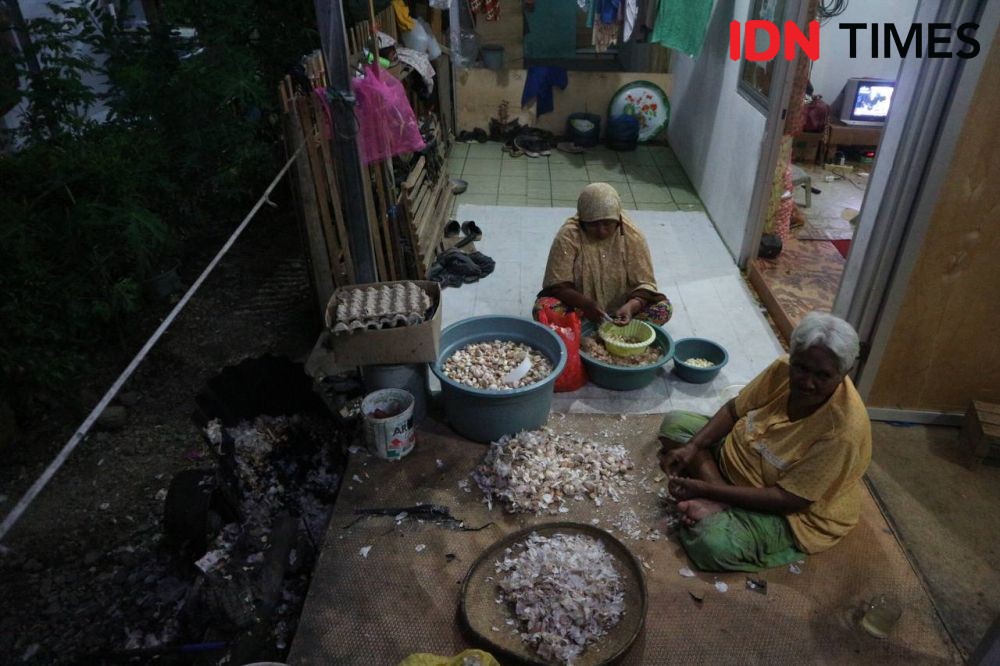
(403,19)
(648,12)
(491,8)
(547,36)
(682,24)
(420,63)
(605,22)
(630,9)
(539,84)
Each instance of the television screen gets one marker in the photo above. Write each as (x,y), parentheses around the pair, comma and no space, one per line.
(872,101)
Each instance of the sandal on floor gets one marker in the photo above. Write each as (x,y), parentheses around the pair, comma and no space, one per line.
(471,229)
(452,229)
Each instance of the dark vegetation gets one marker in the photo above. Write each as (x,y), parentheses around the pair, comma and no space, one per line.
(94,204)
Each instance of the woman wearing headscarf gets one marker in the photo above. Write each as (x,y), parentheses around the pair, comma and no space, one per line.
(777,472)
(600,265)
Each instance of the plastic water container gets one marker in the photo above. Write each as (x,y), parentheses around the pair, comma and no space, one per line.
(583,129)
(492,56)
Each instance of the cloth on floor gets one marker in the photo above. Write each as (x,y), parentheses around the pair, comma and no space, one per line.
(403,19)
(491,8)
(453,268)
(681,24)
(462,659)
(538,85)
(546,34)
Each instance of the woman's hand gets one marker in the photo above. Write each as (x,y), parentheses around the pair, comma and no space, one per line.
(677,460)
(593,312)
(684,489)
(624,314)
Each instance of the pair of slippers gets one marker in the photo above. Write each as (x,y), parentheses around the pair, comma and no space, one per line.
(453,268)
(478,135)
(468,229)
(527,144)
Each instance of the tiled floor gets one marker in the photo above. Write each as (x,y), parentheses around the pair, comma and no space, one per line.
(649,178)
(692,267)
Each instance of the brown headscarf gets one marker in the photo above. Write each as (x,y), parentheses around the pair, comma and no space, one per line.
(610,271)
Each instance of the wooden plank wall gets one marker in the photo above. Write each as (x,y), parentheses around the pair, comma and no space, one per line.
(943,352)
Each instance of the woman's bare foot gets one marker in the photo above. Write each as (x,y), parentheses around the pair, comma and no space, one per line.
(698,509)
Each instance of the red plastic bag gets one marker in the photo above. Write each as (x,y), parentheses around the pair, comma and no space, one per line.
(386,122)
(567,327)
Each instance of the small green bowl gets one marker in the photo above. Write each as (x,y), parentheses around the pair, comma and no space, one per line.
(688,348)
(619,378)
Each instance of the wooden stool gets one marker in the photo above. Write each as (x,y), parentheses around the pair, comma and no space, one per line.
(980,435)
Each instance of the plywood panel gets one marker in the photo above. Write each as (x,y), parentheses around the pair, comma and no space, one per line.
(480,91)
(943,352)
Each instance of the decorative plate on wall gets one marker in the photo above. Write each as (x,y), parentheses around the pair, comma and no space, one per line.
(647,102)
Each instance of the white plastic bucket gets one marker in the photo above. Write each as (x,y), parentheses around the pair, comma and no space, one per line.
(388,415)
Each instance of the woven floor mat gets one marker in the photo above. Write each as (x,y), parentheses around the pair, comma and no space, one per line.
(399,600)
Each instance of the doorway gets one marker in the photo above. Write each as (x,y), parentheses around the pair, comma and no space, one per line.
(825,164)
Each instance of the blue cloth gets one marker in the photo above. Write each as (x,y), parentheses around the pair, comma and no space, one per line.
(538,86)
(608,10)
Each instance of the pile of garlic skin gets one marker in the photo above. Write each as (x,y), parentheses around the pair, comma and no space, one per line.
(565,593)
(483,365)
(539,471)
(699,362)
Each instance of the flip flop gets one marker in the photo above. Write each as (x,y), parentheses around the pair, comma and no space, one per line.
(470,228)
(569,147)
(452,229)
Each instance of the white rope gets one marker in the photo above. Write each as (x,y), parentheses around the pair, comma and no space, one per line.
(85,427)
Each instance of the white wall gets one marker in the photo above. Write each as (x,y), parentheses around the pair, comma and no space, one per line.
(835,66)
(32,9)
(714,131)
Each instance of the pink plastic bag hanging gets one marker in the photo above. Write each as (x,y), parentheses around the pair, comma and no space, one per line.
(387,124)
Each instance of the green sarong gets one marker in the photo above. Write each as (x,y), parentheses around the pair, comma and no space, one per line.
(734,539)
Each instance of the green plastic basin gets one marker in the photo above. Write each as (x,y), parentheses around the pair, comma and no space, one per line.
(618,378)
(483,415)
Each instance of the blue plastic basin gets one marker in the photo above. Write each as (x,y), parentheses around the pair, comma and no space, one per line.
(621,378)
(483,415)
(698,348)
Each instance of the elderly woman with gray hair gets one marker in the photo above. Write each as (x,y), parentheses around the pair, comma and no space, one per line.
(776,473)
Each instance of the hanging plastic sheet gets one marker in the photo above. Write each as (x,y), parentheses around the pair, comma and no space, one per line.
(387,124)
(464,42)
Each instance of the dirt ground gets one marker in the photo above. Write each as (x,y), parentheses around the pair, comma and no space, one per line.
(69,582)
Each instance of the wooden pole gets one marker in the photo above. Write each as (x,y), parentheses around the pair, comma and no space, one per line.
(333,34)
